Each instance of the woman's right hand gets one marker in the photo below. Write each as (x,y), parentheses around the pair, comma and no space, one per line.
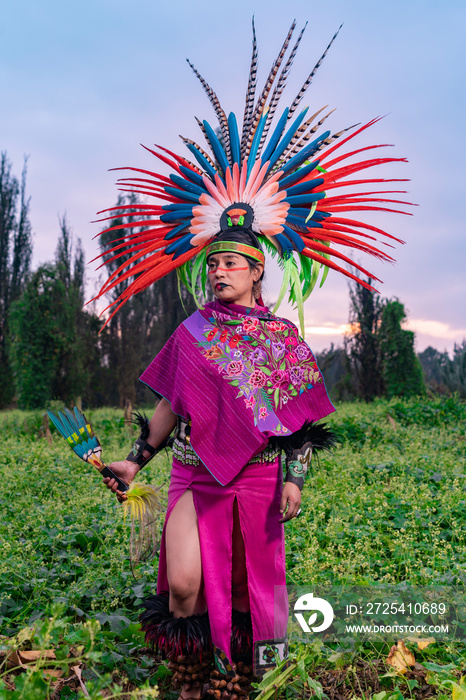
(126,471)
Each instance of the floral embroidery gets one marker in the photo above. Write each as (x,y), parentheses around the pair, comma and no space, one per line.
(250,324)
(213,353)
(279,377)
(302,351)
(258,356)
(257,378)
(264,358)
(234,368)
(278,350)
(250,402)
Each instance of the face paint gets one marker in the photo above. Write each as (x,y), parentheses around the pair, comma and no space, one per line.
(227,269)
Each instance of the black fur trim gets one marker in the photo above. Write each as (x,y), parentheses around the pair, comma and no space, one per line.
(174,635)
(321,437)
(241,636)
(142,421)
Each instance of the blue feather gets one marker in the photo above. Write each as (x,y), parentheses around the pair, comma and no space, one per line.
(275,138)
(304,199)
(287,138)
(203,162)
(191,175)
(179,207)
(234,138)
(256,141)
(175,216)
(187,196)
(57,423)
(175,231)
(179,247)
(284,242)
(304,186)
(319,215)
(216,146)
(290,180)
(301,221)
(305,153)
(295,238)
(187,185)
(65,422)
(79,418)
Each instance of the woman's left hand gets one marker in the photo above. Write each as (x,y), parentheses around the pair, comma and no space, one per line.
(290,501)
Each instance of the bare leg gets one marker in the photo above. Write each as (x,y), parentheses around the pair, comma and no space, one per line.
(184,570)
(240,593)
(183,550)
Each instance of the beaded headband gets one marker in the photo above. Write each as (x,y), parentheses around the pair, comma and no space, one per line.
(234,247)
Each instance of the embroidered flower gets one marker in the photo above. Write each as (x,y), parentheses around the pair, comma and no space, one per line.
(279,377)
(258,356)
(291,357)
(213,352)
(278,350)
(250,324)
(235,367)
(291,341)
(263,413)
(296,375)
(285,399)
(212,333)
(302,351)
(223,336)
(233,342)
(257,378)
(238,353)
(276,326)
(250,402)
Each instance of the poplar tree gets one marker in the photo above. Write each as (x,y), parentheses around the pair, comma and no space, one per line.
(15,259)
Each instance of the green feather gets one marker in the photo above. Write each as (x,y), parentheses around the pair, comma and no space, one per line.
(288,262)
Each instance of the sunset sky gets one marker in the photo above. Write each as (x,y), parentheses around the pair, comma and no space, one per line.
(83,84)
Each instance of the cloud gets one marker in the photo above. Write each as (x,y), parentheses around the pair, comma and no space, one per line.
(435,329)
(329,329)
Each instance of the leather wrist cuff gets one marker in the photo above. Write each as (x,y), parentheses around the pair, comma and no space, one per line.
(297,464)
(136,454)
(298,480)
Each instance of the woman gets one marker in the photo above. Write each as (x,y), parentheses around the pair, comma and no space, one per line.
(235,379)
(223,541)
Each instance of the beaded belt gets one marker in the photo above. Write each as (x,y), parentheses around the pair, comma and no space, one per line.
(184,453)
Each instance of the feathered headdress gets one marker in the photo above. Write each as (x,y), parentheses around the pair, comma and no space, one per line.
(280,176)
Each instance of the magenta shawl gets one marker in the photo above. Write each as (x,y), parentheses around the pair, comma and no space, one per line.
(241,375)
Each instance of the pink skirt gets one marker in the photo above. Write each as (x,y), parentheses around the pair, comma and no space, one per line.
(257,489)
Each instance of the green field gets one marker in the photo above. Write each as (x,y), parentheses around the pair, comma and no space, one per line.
(387,506)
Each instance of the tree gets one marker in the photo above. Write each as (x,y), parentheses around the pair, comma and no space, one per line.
(454,371)
(401,369)
(39,329)
(362,345)
(433,362)
(53,347)
(381,352)
(335,365)
(15,258)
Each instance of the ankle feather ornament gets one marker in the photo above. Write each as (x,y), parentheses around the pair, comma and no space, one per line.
(184,641)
